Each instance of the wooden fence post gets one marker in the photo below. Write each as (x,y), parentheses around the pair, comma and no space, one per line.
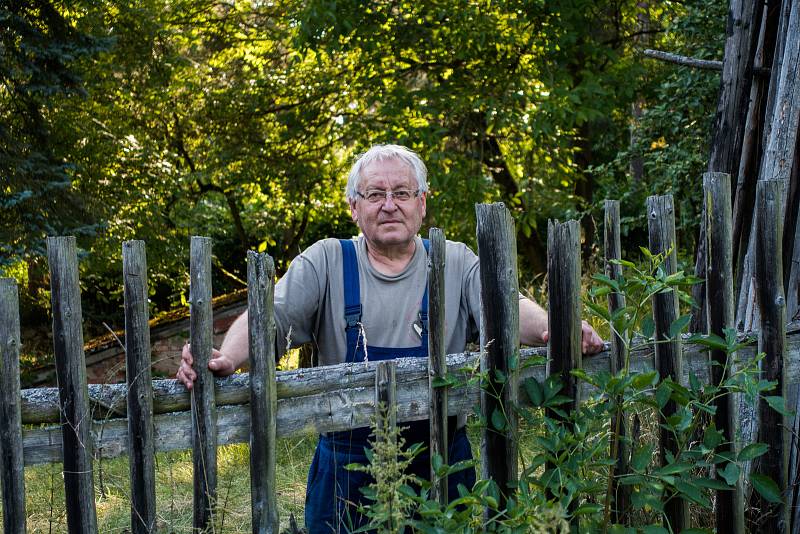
(76,419)
(263,396)
(386,395)
(773,426)
(564,313)
(12,468)
(141,448)
(204,410)
(564,307)
(661,224)
(619,446)
(437,360)
(719,283)
(497,252)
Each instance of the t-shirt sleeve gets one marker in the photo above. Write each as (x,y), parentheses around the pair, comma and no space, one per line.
(471,292)
(298,298)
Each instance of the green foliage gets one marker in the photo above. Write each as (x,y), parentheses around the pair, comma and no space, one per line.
(160,120)
(569,460)
(40,49)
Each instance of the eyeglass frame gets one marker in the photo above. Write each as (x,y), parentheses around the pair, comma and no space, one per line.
(387,195)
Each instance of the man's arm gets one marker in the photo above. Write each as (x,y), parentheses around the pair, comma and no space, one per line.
(533,328)
(232,354)
(532,323)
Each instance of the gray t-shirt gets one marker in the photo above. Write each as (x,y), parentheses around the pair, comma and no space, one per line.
(309,300)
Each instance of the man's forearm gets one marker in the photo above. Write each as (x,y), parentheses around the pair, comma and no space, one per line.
(532,322)
(235,346)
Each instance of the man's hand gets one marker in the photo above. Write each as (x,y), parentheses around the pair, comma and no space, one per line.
(591,343)
(219,364)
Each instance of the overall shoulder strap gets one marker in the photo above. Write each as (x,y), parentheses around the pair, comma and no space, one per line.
(352,287)
(423,309)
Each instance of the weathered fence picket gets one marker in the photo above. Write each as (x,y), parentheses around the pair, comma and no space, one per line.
(564,307)
(76,419)
(140,389)
(204,410)
(386,395)
(12,469)
(661,224)
(620,449)
(773,428)
(719,283)
(437,356)
(263,398)
(497,253)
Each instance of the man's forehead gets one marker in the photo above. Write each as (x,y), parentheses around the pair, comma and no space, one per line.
(393,170)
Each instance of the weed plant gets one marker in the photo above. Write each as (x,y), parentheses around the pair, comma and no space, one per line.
(569,461)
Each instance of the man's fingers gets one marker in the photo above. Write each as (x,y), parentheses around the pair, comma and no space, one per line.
(186,354)
(591,343)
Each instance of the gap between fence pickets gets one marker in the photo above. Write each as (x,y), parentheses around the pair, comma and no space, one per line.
(315,400)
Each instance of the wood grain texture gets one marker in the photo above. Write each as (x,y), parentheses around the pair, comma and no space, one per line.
(386,394)
(774,427)
(12,470)
(204,417)
(564,307)
(719,271)
(140,391)
(497,252)
(620,493)
(345,399)
(661,225)
(65,299)
(263,399)
(744,23)
(437,359)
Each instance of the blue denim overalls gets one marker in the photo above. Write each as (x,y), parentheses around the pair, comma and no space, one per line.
(333,492)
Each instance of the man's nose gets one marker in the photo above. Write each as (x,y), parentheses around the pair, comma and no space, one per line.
(388,203)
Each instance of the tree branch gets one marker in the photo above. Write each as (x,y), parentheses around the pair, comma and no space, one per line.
(707,64)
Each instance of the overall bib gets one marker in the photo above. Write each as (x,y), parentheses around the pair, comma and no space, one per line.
(333,492)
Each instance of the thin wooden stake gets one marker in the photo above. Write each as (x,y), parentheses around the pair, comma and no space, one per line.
(661,223)
(263,396)
(140,390)
(719,272)
(613,250)
(386,395)
(204,409)
(65,298)
(773,426)
(437,360)
(12,468)
(497,252)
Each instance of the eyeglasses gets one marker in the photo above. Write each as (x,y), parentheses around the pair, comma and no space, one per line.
(373,196)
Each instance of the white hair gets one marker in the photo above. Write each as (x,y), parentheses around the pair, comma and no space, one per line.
(383,153)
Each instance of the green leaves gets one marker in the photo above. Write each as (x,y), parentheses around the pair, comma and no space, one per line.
(752,451)
(766,487)
(679,324)
(730,473)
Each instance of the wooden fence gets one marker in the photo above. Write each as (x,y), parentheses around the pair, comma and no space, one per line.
(144,416)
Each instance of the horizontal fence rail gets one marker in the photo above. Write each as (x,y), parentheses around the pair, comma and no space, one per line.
(322,399)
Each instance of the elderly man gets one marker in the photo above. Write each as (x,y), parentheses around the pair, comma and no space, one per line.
(366,298)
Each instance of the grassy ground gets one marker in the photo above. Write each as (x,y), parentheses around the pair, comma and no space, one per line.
(45,490)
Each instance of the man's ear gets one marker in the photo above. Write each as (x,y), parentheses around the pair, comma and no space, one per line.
(424,197)
(353,210)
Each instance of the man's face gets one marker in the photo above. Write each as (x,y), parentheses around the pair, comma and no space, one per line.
(389,222)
